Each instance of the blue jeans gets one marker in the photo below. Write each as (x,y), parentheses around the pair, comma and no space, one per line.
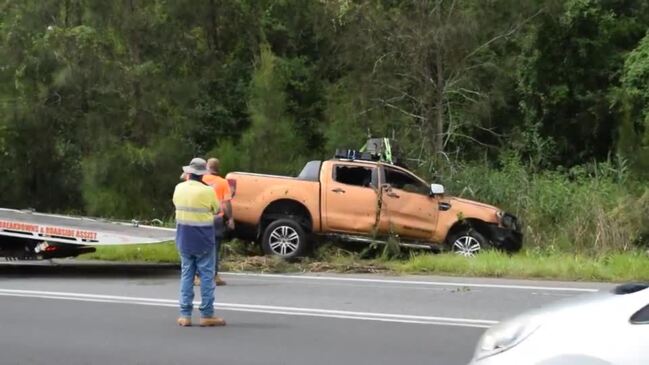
(190,265)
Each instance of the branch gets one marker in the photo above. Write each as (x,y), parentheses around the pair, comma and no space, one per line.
(429,78)
(451,82)
(407,76)
(403,94)
(365,111)
(455,75)
(472,139)
(450,12)
(466,97)
(450,123)
(513,30)
(490,131)
(392,106)
(480,65)
(445,156)
(376,63)
(57,99)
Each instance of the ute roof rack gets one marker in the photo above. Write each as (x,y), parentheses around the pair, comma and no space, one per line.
(375,149)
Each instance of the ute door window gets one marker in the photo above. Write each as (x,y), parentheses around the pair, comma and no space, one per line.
(350,199)
(355,175)
(402,181)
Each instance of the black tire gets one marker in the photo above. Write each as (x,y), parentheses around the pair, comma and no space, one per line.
(285,238)
(467,242)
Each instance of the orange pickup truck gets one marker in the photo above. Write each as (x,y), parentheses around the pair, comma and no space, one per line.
(363,201)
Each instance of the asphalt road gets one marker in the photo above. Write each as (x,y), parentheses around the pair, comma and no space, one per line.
(80,313)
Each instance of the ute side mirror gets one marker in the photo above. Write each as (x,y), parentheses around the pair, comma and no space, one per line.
(436,189)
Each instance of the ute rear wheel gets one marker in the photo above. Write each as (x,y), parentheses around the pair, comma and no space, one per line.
(285,238)
(467,242)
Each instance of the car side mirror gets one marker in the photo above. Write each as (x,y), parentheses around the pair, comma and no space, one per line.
(436,189)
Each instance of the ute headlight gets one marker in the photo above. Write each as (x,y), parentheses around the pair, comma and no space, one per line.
(505,335)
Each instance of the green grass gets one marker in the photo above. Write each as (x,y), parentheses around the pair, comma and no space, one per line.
(631,266)
(154,252)
(560,266)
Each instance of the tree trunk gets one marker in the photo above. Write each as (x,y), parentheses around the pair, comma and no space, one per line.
(214,28)
(67,13)
(439,106)
(139,129)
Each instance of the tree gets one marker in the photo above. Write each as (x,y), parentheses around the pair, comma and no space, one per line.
(632,99)
(271,144)
(432,62)
(571,60)
(39,138)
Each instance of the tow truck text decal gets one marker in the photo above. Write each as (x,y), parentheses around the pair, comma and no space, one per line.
(49,231)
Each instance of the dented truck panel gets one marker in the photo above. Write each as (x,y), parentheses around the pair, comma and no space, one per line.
(408,214)
(407,209)
(455,209)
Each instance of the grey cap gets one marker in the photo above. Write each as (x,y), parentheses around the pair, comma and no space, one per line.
(197,166)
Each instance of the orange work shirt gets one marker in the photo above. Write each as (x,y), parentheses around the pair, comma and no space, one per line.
(220,186)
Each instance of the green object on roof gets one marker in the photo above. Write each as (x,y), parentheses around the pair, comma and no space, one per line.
(388,150)
(382,149)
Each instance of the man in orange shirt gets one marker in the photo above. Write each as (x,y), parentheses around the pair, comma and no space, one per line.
(224,218)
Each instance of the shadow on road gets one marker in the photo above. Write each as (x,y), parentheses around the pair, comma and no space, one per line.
(85,269)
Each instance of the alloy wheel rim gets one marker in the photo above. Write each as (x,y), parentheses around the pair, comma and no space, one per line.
(284,240)
(466,246)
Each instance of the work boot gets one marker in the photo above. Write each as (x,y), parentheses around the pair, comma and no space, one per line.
(218,281)
(184,321)
(213,321)
(197,280)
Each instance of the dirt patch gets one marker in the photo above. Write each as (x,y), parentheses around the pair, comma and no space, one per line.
(272,264)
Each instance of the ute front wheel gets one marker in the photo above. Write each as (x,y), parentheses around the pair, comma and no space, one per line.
(467,243)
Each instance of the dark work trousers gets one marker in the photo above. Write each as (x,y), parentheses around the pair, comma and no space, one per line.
(219,230)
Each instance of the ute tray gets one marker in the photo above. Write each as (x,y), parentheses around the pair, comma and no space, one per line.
(78,230)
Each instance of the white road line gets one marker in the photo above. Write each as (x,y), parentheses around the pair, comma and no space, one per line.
(268,309)
(410,282)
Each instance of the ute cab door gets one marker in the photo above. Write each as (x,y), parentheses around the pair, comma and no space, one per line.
(408,209)
(350,198)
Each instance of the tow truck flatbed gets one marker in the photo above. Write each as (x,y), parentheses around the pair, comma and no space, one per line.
(25,234)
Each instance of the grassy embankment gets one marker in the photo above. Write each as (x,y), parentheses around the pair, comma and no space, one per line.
(616,267)
(590,223)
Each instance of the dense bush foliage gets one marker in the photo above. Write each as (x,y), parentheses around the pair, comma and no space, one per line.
(595,209)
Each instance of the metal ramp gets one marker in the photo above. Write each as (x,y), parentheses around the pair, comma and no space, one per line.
(78,230)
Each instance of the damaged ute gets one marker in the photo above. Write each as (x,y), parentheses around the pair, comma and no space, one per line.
(366,201)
